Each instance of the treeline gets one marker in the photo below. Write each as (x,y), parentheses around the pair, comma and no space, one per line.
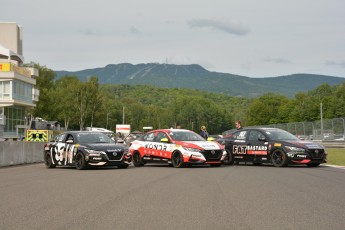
(77,104)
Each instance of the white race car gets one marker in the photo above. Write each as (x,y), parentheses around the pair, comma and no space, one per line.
(178,147)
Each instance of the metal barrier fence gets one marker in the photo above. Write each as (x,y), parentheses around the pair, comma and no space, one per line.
(326,129)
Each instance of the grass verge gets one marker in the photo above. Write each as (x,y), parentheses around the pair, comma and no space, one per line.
(336,156)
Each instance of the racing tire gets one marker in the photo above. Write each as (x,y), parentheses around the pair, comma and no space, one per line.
(279,158)
(177,160)
(124,166)
(80,162)
(48,161)
(311,165)
(229,158)
(137,161)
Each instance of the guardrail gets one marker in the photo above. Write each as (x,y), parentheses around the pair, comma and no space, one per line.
(332,144)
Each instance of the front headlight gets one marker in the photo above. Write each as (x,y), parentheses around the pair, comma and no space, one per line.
(294,149)
(191,149)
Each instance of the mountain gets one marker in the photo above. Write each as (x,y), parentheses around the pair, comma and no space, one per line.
(196,77)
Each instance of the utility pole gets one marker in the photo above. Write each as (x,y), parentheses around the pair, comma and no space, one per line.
(123,115)
(321,121)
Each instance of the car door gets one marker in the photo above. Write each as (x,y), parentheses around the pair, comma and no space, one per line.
(57,149)
(257,147)
(147,146)
(163,141)
(238,146)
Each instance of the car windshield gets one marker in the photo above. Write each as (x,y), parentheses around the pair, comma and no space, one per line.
(185,136)
(91,137)
(281,135)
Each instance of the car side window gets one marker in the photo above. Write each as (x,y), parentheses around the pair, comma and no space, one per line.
(161,135)
(149,137)
(60,138)
(241,135)
(255,135)
(70,138)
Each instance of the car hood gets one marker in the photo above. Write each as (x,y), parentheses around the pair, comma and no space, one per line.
(107,147)
(206,145)
(304,144)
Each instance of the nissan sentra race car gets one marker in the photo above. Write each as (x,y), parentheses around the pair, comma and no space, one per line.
(178,147)
(271,145)
(83,149)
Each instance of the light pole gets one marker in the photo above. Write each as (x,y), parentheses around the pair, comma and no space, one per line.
(321,121)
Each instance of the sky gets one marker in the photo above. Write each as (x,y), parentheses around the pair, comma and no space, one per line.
(252,38)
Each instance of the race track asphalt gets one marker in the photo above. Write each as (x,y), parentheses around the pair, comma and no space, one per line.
(162,197)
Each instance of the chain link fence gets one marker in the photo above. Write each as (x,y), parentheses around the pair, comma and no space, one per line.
(326,129)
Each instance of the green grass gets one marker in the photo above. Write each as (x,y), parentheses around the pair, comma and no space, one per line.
(336,156)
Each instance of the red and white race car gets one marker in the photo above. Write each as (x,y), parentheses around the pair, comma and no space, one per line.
(178,147)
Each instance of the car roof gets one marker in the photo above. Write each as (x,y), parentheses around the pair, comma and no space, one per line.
(169,130)
(76,132)
(259,128)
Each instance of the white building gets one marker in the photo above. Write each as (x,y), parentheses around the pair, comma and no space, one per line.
(18,93)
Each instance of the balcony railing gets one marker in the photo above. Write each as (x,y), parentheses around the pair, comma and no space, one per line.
(10,67)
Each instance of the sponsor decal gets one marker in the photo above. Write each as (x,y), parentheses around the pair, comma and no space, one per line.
(313,146)
(114,150)
(97,158)
(240,157)
(240,141)
(250,149)
(301,156)
(257,150)
(277,144)
(239,149)
(156,146)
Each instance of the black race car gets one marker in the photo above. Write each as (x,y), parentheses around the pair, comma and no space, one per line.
(270,145)
(85,148)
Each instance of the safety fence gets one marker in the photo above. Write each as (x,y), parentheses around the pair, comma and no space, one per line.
(326,129)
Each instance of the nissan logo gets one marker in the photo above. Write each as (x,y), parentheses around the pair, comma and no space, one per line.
(114,154)
(316,151)
(213,152)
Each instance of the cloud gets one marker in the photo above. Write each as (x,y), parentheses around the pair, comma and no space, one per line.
(87,32)
(134,30)
(277,60)
(341,64)
(231,27)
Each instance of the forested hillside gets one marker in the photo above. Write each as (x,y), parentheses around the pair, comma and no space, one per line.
(196,77)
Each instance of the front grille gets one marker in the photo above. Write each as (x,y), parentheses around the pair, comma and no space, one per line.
(111,156)
(316,153)
(210,155)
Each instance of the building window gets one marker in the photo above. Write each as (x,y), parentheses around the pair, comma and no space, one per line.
(14,116)
(22,91)
(5,89)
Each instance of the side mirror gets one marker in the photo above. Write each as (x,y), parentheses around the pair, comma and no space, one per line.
(210,139)
(262,139)
(166,140)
